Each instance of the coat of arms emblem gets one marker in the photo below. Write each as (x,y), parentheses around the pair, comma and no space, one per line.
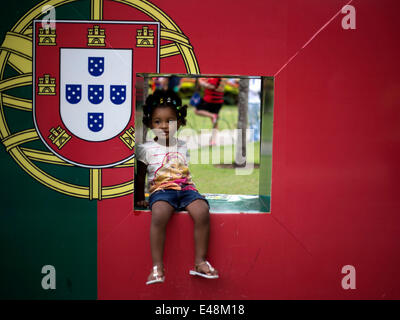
(84,75)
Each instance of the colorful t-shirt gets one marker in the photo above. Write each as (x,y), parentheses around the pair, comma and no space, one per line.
(167,167)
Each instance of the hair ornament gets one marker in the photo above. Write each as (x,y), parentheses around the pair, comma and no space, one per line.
(161,98)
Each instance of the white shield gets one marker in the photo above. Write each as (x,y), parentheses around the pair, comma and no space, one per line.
(76,111)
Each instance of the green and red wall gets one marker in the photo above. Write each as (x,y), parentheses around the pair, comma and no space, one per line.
(336,155)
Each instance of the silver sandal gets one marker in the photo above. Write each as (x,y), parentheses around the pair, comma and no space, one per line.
(202,274)
(156,276)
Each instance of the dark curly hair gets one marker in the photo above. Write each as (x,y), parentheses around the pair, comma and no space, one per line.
(162,99)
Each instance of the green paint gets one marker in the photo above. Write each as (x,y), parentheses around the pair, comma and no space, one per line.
(39,226)
(18,120)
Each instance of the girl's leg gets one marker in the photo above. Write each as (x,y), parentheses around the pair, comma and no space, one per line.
(200,214)
(161,212)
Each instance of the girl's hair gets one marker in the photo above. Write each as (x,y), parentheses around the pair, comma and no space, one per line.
(162,99)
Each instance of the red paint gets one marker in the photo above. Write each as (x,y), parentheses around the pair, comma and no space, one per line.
(336,155)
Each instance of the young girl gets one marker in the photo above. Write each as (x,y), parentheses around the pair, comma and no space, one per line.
(165,160)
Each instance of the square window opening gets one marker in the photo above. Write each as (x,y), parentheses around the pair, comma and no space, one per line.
(228,134)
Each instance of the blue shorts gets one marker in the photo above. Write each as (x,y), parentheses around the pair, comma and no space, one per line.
(179,199)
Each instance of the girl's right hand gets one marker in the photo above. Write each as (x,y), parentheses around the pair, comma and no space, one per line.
(142,203)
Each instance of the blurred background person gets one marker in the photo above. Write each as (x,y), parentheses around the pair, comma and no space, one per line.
(174,83)
(160,83)
(212,102)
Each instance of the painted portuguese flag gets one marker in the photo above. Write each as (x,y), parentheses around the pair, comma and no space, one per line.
(67,94)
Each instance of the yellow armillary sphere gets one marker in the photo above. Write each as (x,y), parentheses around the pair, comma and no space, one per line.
(16,51)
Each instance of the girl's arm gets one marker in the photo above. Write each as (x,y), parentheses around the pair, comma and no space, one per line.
(139,185)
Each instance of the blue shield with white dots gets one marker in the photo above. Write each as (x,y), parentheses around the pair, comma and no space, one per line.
(95,121)
(73,93)
(117,94)
(96,66)
(96,93)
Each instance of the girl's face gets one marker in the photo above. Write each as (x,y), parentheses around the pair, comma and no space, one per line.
(164,123)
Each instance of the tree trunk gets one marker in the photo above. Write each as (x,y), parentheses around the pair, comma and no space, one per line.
(240,155)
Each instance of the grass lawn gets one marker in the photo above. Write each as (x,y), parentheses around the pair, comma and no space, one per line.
(228,117)
(209,179)
(212,179)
